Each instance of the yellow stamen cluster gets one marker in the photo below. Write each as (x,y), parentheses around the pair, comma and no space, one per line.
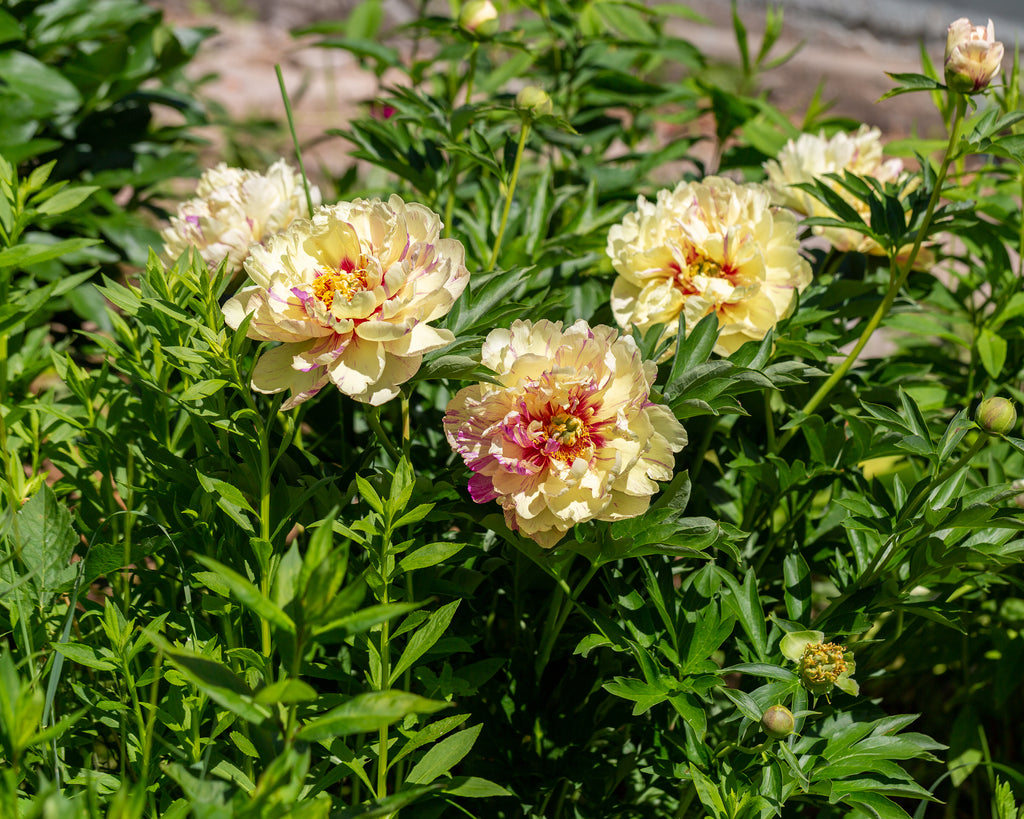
(345,282)
(821,665)
(570,432)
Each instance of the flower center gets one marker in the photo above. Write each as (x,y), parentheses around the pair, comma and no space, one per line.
(698,265)
(348,280)
(822,663)
(567,437)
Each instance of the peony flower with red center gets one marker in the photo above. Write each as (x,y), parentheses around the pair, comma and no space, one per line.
(569,434)
(709,246)
(350,294)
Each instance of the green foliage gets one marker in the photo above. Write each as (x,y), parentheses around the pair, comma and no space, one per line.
(215,608)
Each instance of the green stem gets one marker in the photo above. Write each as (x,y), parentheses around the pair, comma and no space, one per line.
(882,556)
(697,456)
(523,134)
(566,605)
(266,470)
(295,138)
(897,276)
(471,74)
(384,681)
(373,419)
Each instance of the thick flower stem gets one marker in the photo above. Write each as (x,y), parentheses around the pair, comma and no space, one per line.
(523,135)
(373,419)
(384,681)
(553,629)
(897,276)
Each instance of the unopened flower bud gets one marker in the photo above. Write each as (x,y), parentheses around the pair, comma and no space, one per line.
(479,17)
(996,416)
(973,56)
(534,100)
(778,722)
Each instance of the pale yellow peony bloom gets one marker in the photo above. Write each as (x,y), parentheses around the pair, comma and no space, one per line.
(234,209)
(569,433)
(710,246)
(809,158)
(973,56)
(479,17)
(350,294)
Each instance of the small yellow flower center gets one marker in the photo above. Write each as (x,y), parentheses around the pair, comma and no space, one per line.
(569,433)
(823,663)
(346,281)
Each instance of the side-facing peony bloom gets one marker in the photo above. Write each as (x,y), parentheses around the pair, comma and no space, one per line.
(350,293)
(234,209)
(569,433)
(973,56)
(710,246)
(809,158)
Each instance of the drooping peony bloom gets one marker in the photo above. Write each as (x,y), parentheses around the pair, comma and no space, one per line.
(350,293)
(710,246)
(234,209)
(569,434)
(973,56)
(809,158)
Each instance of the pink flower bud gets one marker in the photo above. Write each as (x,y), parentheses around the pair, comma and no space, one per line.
(973,56)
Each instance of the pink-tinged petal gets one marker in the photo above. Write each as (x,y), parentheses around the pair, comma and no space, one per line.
(358,368)
(481,488)
(275,370)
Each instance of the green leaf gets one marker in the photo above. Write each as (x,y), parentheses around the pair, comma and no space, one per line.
(875,805)
(367,712)
(992,351)
(443,756)
(424,638)
(85,655)
(214,679)
(475,787)
(47,541)
(430,555)
(67,199)
(249,596)
(46,87)
(286,691)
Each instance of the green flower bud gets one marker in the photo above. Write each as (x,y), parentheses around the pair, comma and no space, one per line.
(479,17)
(778,722)
(534,100)
(996,416)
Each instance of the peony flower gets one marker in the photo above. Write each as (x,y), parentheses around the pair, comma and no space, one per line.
(710,246)
(973,56)
(820,666)
(569,433)
(809,158)
(350,293)
(234,209)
